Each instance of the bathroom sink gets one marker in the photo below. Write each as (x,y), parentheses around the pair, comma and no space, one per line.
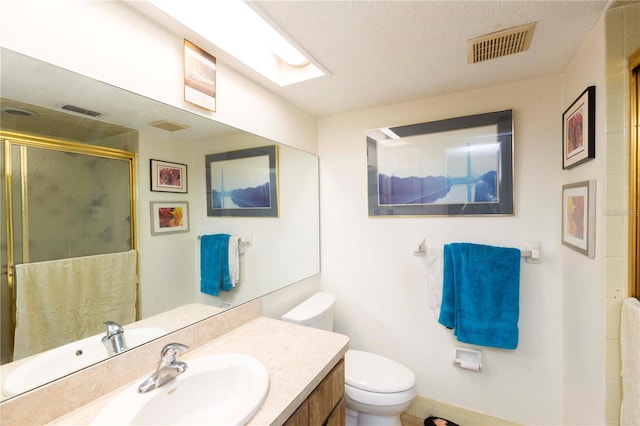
(55,363)
(220,389)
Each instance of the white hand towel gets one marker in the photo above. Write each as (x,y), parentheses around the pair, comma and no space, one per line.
(234,259)
(630,357)
(434,278)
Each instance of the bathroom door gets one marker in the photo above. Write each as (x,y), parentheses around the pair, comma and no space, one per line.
(61,200)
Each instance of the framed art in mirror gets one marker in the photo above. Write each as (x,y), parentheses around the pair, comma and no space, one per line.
(168,177)
(453,167)
(243,183)
(169,217)
(579,217)
(578,130)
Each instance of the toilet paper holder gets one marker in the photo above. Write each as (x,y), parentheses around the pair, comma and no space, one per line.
(468,359)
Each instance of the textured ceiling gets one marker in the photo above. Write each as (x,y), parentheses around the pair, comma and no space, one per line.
(377,52)
(385,52)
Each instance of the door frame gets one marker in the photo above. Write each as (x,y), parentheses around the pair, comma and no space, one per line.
(634,175)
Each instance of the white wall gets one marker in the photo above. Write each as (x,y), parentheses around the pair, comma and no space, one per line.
(583,277)
(165,269)
(381,288)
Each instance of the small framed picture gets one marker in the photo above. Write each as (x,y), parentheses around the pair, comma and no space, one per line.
(168,177)
(578,130)
(169,217)
(578,217)
(199,77)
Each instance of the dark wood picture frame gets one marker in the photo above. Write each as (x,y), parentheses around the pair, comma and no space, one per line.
(579,130)
(453,167)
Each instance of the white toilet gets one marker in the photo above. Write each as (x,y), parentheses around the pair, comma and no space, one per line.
(377,389)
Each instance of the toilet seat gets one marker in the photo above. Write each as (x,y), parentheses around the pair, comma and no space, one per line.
(379,399)
(371,372)
(377,389)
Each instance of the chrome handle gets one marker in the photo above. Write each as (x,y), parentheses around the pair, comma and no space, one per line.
(170,352)
(113,328)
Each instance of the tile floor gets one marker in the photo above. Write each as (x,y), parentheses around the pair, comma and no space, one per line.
(408,420)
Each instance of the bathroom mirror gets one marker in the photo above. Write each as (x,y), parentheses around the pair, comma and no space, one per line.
(283,250)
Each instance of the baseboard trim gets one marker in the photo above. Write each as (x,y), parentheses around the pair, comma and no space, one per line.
(424,407)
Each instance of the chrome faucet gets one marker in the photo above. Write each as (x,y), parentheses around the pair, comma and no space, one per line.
(168,368)
(114,340)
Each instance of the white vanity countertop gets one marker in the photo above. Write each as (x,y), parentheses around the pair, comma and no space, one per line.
(297,358)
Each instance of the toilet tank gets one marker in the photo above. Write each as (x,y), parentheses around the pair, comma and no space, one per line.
(316,312)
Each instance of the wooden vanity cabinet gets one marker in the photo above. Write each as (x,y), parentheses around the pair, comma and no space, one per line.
(325,406)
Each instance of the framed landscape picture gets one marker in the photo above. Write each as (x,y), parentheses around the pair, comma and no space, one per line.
(199,77)
(243,182)
(457,166)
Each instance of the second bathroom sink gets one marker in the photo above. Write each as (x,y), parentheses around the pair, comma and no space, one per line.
(63,360)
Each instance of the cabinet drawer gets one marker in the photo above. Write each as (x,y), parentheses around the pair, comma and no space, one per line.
(337,418)
(300,417)
(326,396)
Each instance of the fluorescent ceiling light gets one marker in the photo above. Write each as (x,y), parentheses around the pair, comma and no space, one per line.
(483,149)
(386,137)
(387,131)
(238,30)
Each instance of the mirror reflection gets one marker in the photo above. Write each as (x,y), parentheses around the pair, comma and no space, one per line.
(283,249)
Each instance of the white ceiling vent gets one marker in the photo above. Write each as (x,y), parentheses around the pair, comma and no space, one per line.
(501,43)
(168,125)
(81,110)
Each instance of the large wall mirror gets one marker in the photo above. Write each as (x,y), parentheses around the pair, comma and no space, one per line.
(34,98)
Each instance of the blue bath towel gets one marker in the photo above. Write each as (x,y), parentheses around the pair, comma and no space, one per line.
(481,294)
(214,264)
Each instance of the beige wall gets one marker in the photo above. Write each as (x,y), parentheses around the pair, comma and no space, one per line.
(583,277)
(381,287)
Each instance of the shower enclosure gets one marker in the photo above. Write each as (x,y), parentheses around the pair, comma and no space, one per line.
(60,199)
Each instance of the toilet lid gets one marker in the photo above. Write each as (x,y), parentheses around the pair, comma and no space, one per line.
(311,310)
(375,373)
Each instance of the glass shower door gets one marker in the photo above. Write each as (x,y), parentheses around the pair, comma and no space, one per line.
(60,200)
(70,205)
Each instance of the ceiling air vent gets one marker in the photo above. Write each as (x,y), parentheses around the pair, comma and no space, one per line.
(81,110)
(18,111)
(501,43)
(168,125)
